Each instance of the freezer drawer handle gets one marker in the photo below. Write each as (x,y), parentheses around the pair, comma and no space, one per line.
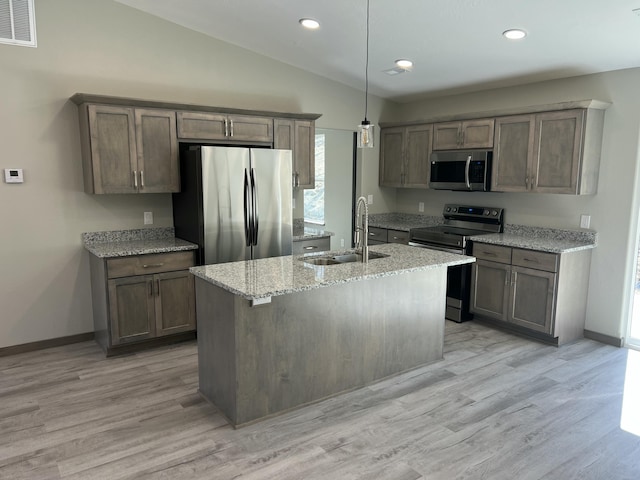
(311,247)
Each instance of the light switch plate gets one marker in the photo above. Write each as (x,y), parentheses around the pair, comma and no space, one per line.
(421,206)
(370,199)
(148,218)
(13,175)
(585,221)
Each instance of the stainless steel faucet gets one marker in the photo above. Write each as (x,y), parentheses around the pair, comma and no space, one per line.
(362,229)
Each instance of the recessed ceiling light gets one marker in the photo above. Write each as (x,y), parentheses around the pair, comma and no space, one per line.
(514,34)
(403,63)
(309,23)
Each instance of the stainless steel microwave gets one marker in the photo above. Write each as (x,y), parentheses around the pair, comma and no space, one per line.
(466,170)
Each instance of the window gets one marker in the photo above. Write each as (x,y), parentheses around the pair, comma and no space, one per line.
(17,22)
(314,199)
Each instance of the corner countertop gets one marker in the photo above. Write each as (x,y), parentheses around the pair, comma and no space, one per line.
(550,240)
(124,243)
(267,277)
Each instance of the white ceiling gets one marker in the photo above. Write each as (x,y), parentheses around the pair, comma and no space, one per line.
(456,45)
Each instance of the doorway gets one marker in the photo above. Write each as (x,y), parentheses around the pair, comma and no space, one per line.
(633,336)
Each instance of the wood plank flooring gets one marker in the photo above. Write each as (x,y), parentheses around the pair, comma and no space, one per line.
(497,407)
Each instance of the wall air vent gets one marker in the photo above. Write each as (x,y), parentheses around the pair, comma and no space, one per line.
(17,22)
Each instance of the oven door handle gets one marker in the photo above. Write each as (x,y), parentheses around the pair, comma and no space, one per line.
(436,247)
(466,172)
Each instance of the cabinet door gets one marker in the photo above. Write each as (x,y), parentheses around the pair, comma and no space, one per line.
(477,133)
(513,153)
(490,289)
(557,151)
(157,147)
(391,156)
(532,299)
(250,129)
(131,308)
(446,136)
(304,153)
(417,153)
(202,126)
(174,302)
(113,149)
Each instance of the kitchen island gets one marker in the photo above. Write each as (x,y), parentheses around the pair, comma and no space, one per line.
(278,333)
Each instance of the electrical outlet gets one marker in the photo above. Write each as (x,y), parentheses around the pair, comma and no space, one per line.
(342,242)
(585,221)
(421,206)
(293,203)
(370,199)
(148,218)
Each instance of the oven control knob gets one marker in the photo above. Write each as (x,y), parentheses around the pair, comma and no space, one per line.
(448,209)
(454,209)
(486,212)
(494,213)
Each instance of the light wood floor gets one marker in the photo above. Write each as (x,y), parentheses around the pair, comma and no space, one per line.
(497,407)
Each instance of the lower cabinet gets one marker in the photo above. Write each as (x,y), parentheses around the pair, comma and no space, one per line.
(541,293)
(311,245)
(379,235)
(142,298)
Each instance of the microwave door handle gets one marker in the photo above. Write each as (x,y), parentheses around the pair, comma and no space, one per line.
(466,172)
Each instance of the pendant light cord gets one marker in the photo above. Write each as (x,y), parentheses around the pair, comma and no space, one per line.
(366,70)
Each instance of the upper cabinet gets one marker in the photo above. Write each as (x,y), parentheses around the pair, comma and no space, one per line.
(549,152)
(299,137)
(465,134)
(131,145)
(230,128)
(404,156)
(129,150)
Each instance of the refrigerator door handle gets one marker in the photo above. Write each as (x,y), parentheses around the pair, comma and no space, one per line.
(254,204)
(247,214)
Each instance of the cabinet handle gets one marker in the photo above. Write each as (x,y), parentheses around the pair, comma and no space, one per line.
(513,278)
(141,178)
(297,179)
(152,265)
(231,121)
(135,179)
(506,279)
(157,287)
(462,137)
(488,254)
(371,234)
(311,247)
(226,127)
(150,283)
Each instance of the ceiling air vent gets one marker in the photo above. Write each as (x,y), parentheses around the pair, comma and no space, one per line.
(17,22)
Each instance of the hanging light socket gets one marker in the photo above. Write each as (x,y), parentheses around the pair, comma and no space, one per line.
(365,134)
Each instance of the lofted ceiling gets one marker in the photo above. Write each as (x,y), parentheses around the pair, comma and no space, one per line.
(456,45)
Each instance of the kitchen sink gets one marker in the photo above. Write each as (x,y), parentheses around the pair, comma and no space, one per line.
(339,259)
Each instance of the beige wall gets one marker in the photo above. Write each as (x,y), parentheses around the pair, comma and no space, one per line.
(103,47)
(613,209)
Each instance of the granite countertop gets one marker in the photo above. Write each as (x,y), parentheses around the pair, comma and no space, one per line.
(541,239)
(403,221)
(308,232)
(267,277)
(124,243)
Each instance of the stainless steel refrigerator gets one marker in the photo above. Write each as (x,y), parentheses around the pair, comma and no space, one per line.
(235,203)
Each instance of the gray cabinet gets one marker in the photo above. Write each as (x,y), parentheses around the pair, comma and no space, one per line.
(311,245)
(128,150)
(299,136)
(477,133)
(540,293)
(142,298)
(550,152)
(379,235)
(404,156)
(194,126)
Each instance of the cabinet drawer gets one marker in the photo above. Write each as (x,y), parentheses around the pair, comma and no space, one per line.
(311,245)
(378,234)
(151,263)
(493,253)
(398,236)
(537,260)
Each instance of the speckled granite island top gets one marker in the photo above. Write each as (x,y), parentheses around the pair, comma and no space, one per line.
(267,277)
(124,243)
(551,240)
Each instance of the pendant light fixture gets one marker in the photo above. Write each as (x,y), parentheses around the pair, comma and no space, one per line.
(365,129)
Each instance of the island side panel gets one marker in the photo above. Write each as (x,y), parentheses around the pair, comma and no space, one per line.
(216,346)
(310,345)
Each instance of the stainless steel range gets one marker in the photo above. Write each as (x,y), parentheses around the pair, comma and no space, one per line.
(460,223)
